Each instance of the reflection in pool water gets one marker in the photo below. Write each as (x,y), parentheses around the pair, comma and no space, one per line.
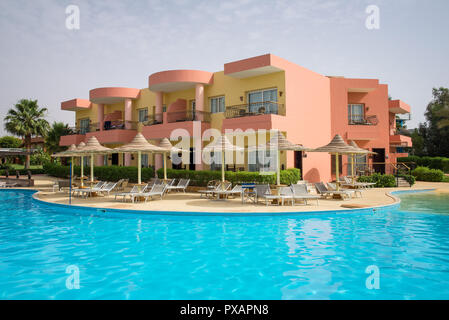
(304,256)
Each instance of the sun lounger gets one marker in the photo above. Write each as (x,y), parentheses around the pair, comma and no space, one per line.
(156,190)
(237,190)
(263,191)
(300,192)
(325,192)
(106,187)
(219,187)
(134,190)
(362,185)
(7,185)
(182,185)
(84,190)
(333,187)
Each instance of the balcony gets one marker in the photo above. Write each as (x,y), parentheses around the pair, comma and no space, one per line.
(254,109)
(363,121)
(399,140)
(113,132)
(188,115)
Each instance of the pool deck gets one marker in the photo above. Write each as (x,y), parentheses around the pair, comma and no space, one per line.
(191,202)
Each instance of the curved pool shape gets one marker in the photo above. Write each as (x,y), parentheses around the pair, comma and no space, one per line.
(305,256)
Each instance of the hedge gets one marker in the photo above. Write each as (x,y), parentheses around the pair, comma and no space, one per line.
(198,178)
(105,173)
(202,177)
(426,174)
(381,180)
(12,172)
(439,163)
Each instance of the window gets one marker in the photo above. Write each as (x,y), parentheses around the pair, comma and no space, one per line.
(340,160)
(360,164)
(143,114)
(217,104)
(262,161)
(263,101)
(356,113)
(144,160)
(84,126)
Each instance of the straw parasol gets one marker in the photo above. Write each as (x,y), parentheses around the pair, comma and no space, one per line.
(222,144)
(279,143)
(67,153)
(360,151)
(168,148)
(91,148)
(138,145)
(337,146)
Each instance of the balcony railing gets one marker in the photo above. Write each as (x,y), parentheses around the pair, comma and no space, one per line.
(361,120)
(188,115)
(153,119)
(254,109)
(114,125)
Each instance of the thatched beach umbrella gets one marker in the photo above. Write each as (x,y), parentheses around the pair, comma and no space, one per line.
(337,146)
(67,153)
(138,145)
(222,144)
(279,143)
(91,148)
(359,151)
(166,145)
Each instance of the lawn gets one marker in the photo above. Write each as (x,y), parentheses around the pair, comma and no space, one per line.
(21,166)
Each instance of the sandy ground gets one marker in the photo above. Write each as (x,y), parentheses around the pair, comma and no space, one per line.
(192,202)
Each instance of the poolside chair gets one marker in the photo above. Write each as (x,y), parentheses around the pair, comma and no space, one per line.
(209,192)
(7,185)
(156,190)
(286,193)
(333,187)
(325,192)
(182,185)
(237,190)
(361,185)
(134,190)
(105,187)
(263,191)
(300,192)
(82,190)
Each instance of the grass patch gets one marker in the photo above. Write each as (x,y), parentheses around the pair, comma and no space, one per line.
(21,166)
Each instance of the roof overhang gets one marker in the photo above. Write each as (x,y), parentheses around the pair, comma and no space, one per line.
(398,107)
(75,105)
(176,80)
(252,67)
(111,95)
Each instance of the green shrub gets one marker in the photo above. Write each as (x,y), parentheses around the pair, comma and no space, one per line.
(12,171)
(381,180)
(439,163)
(105,173)
(426,174)
(409,178)
(201,178)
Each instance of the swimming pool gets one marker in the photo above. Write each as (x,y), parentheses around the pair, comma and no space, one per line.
(305,256)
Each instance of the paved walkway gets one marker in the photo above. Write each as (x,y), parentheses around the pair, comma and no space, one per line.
(192,202)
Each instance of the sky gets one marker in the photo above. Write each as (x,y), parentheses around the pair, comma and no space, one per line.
(120,43)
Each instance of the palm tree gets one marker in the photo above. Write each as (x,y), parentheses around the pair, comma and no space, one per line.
(57,130)
(26,120)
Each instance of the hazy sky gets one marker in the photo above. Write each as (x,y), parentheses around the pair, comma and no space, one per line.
(120,43)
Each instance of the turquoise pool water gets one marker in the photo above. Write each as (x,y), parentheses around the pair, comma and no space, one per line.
(306,256)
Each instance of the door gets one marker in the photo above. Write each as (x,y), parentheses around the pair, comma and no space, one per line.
(379,161)
(114,160)
(298,160)
(192,159)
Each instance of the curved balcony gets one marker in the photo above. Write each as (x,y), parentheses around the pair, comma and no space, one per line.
(111,95)
(175,80)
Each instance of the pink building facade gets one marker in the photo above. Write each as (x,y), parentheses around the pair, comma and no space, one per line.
(260,93)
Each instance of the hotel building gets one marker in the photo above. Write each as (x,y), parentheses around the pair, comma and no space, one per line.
(260,93)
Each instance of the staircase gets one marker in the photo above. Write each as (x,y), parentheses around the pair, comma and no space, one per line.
(402,182)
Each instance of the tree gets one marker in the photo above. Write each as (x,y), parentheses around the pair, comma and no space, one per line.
(57,130)
(10,142)
(26,120)
(435,131)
